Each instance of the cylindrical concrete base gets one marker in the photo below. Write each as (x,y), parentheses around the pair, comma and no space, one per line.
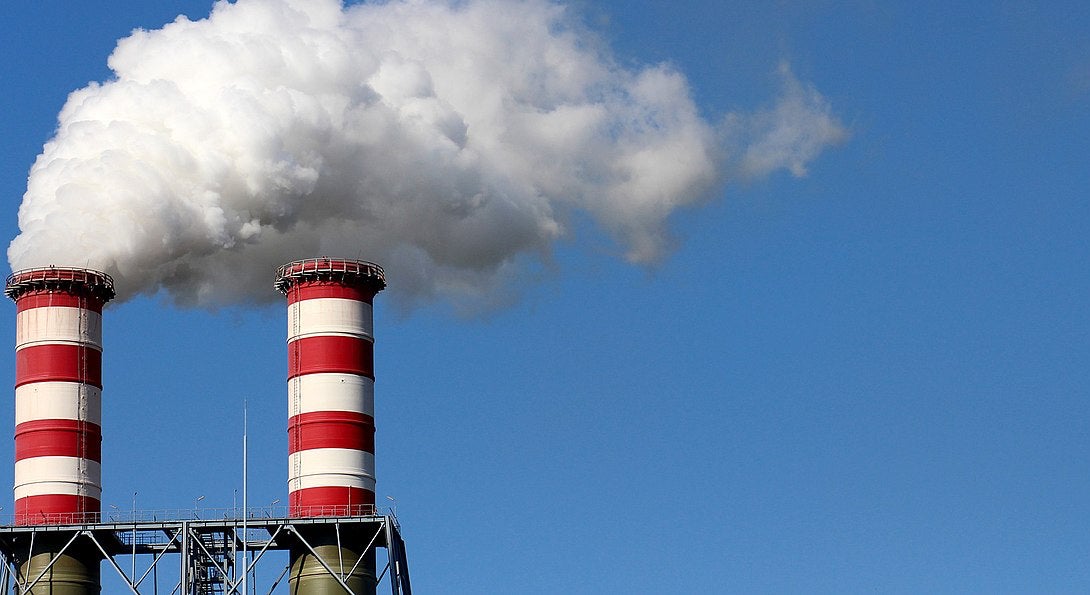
(76,572)
(308,577)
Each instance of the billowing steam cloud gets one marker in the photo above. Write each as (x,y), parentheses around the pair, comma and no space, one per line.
(449,141)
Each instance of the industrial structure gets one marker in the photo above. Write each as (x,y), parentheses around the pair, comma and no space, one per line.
(58,413)
(331,529)
(331,409)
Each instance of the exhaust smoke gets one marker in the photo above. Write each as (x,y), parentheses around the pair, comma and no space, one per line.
(451,141)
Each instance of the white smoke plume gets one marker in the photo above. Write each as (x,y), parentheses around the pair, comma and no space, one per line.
(450,141)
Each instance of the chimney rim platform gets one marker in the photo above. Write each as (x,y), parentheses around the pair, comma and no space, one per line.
(54,278)
(326,269)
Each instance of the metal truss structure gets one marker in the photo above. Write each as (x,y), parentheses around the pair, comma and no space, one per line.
(214,556)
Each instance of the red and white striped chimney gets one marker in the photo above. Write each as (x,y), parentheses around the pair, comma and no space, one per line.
(58,392)
(331,403)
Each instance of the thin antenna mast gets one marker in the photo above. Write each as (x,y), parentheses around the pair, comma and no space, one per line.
(245,512)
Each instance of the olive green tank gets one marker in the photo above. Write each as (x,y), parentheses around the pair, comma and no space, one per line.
(76,572)
(308,577)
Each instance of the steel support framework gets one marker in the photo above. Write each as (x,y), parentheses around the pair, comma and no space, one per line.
(207,551)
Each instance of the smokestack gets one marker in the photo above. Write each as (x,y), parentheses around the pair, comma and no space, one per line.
(331,427)
(58,413)
(58,388)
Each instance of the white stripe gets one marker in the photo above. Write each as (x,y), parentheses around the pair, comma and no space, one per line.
(58,324)
(325,467)
(42,475)
(330,316)
(331,481)
(58,400)
(54,488)
(331,392)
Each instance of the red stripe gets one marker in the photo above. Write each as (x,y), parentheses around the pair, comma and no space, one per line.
(325,289)
(45,299)
(331,429)
(346,355)
(54,509)
(331,501)
(58,438)
(58,362)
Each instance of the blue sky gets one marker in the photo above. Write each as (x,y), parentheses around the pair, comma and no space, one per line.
(869,378)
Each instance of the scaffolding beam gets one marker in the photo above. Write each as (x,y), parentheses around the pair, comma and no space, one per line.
(208,549)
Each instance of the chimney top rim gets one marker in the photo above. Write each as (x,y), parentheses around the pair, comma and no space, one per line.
(54,278)
(336,270)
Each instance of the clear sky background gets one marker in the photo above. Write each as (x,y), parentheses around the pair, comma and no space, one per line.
(870,378)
